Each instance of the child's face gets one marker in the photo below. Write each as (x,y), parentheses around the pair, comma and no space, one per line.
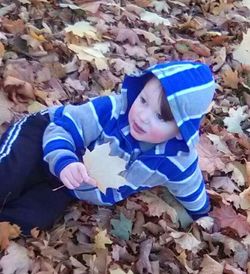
(145,119)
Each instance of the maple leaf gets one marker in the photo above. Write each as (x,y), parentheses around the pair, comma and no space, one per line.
(127,34)
(224,183)
(124,66)
(16,260)
(230,78)
(219,143)
(186,241)
(156,206)
(206,222)
(238,172)
(108,173)
(122,228)
(90,54)
(101,239)
(83,29)
(227,217)
(235,118)
(148,35)
(209,157)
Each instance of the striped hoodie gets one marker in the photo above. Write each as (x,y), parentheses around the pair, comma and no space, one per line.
(189,88)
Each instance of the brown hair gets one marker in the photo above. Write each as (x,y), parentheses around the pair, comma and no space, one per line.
(165,109)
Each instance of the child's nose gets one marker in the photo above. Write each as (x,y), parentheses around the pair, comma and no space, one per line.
(145,116)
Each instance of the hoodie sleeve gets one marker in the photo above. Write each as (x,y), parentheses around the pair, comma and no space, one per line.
(72,129)
(189,189)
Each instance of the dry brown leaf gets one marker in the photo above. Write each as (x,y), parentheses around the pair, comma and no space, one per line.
(209,157)
(156,206)
(143,263)
(13,26)
(18,90)
(209,265)
(186,241)
(227,217)
(7,232)
(129,35)
(231,78)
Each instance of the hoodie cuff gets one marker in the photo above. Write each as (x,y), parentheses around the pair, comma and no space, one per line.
(62,163)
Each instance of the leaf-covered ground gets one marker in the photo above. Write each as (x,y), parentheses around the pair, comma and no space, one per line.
(55,52)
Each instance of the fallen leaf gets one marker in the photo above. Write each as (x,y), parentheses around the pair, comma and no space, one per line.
(245,199)
(83,29)
(209,157)
(121,228)
(219,143)
(106,175)
(227,217)
(16,260)
(156,206)
(144,263)
(154,18)
(205,222)
(231,78)
(7,232)
(101,239)
(18,90)
(182,258)
(225,183)
(2,50)
(209,265)
(238,172)
(13,26)
(186,241)
(235,118)
(129,35)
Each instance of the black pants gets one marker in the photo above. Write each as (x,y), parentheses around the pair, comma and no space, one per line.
(26,196)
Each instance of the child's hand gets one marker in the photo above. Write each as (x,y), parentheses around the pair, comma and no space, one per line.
(74,174)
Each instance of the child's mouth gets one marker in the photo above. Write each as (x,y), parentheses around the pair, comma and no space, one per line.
(137,128)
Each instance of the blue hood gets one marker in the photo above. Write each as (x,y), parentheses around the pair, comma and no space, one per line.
(189,88)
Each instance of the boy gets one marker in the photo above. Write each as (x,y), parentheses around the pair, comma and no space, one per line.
(153,125)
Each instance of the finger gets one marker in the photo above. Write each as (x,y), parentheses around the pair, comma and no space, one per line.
(71,177)
(67,183)
(83,173)
(92,181)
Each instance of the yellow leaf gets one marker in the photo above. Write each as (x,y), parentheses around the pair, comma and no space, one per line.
(83,29)
(2,50)
(101,239)
(154,18)
(37,37)
(107,173)
(90,54)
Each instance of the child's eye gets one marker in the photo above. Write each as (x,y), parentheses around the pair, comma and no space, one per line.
(143,101)
(159,116)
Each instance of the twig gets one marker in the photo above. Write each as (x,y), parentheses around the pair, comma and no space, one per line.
(57,188)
